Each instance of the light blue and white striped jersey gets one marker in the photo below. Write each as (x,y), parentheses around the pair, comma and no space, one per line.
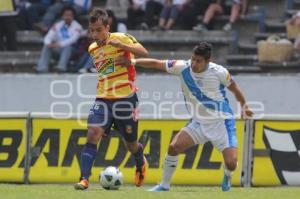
(204,92)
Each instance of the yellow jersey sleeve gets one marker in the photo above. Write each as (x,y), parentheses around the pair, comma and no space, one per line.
(127,38)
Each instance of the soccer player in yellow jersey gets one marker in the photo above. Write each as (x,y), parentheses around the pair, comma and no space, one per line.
(116,99)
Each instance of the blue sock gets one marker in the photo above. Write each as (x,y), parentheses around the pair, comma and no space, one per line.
(139,157)
(88,156)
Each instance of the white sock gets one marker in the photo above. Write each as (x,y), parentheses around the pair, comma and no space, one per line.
(170,165)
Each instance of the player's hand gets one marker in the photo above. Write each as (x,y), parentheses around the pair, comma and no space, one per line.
(246,112)
(123,61)
(115,43)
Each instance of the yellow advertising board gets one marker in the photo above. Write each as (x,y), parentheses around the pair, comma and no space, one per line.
(58,143)
(56,148)
(6,6)
(12,149)
(279,164)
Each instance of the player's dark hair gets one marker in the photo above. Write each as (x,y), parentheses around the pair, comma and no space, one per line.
(68,8)
(203,49)
(98,13)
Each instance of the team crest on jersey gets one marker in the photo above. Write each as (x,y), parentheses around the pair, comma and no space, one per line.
(129,129)
(171,63)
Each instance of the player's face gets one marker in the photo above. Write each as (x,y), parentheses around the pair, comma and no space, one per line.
(199,64)
(99,32)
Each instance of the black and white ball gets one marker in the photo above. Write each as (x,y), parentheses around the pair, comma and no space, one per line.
(111,178)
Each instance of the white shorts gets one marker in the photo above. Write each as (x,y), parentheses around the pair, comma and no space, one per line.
(221,134)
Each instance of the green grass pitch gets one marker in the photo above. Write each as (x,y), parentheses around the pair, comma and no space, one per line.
(66,191)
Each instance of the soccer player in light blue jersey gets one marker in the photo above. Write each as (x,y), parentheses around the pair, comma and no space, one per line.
(203,85)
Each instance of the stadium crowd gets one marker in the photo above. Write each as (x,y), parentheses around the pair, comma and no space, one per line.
(66,39)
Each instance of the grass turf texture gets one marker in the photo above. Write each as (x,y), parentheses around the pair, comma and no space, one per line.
(66,191)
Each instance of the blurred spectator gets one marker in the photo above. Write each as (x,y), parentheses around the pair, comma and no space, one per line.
(244,7)
(143,14)
(86,60)
(115,25)
(8,26)
(227,7)
(117,3)
(32,11)
(152,13)
(170,13)
(191,9)
(295,20)
(121,5)
(297,44)
(59,41)
(85,63)
(23,22)
(135,13)
(80,6)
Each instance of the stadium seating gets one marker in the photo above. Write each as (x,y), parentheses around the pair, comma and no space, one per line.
(236,49)
(171,44)
(275,16)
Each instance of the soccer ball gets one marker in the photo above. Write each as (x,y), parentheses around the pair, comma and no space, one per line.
(111,178)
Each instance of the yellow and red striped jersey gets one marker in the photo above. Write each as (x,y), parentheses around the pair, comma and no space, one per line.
(115,80)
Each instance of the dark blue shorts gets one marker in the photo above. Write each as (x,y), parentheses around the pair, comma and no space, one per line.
(122,113)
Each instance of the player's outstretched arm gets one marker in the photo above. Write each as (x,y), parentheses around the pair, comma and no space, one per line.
(150,63)
(144,62)
(235,89)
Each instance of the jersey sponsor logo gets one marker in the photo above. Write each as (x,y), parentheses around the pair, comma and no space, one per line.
(99,63)
(107,66)
(171,63)
(285,149)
